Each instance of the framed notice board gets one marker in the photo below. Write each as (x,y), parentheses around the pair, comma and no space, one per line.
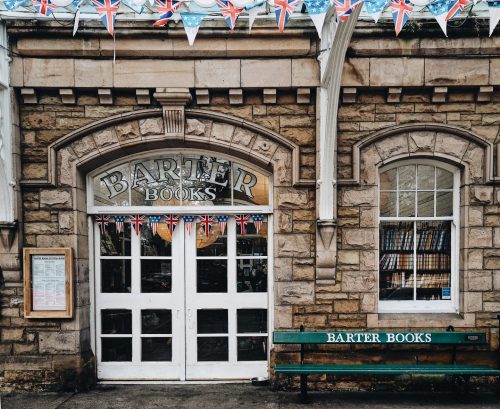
(48,283)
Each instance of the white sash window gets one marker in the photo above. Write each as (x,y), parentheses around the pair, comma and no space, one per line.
(418,237)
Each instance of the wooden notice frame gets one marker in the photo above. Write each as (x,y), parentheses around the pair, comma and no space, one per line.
(43,268)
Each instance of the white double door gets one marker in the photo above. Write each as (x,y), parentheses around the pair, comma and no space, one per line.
(185,306)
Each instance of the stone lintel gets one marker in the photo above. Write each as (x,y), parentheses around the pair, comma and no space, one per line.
(439,94)
(269,95)
(28,96)
(394,95)
(303,95)
(67,95)
(485,93)
(202,96)
(143,96)
(236,96)
(349,95)
(105,96)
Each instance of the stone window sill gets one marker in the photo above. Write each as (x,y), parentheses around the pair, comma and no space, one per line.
(420,320)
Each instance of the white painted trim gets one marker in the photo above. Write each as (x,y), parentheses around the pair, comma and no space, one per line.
(152,210)
(92,284)
(334,44)
(7,181)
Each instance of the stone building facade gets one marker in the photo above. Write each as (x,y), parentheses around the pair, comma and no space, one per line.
(253,98)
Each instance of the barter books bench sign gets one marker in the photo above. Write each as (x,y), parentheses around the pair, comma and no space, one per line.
(377,337)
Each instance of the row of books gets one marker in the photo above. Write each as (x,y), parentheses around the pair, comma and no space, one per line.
(405,280)
(394,238)
(434,238)
(433,261)
(433,280)
(394,261)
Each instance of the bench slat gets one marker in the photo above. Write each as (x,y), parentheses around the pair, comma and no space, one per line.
(385,369)
(359,337)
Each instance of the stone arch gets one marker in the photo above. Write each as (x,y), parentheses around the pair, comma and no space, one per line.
(98,143)
(439,141)
(358,211)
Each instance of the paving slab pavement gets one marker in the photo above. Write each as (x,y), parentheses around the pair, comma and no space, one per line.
(235,396)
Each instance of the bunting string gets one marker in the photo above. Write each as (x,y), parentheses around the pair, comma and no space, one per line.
(171,221)
(230,10)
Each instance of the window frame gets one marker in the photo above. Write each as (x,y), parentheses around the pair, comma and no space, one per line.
(424,306)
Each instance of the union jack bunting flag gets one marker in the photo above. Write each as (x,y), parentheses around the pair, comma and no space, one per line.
(171,221)
(120,223)
(153,223)
(283,11)
(345,7)
(401,10)
(242,221)
(222,220)
(107,10)
(188,221)
(206,224)
(257,220)
(137,221)
(456,7)
(44,7)
(166,8)
(102,222)
(229,12)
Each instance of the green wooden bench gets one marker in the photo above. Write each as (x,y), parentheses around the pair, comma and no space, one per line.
(451,338)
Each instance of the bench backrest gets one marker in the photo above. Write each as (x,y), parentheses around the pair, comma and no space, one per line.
(360,337)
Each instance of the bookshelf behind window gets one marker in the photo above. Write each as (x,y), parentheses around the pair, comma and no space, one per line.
(401,243)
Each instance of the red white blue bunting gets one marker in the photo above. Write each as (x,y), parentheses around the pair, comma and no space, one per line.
(188,222)
(442,10)
(222,220)
(171,220)
(102,222)
(137,221)
(206,221)
(154,221)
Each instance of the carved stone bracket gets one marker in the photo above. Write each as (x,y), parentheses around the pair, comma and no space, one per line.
(8,231)
(173,100)
(326,249)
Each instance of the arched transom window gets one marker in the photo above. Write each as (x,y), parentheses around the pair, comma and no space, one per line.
(418,257)
(187,179)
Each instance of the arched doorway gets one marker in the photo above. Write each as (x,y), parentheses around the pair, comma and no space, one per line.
(181,271)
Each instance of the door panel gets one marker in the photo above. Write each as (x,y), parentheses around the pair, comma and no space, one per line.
(181,306)
(215,300)
(140,305)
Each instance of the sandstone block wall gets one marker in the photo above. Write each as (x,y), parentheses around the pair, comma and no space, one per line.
(57,353)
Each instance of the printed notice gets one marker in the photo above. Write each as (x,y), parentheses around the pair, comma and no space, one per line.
(49,282)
